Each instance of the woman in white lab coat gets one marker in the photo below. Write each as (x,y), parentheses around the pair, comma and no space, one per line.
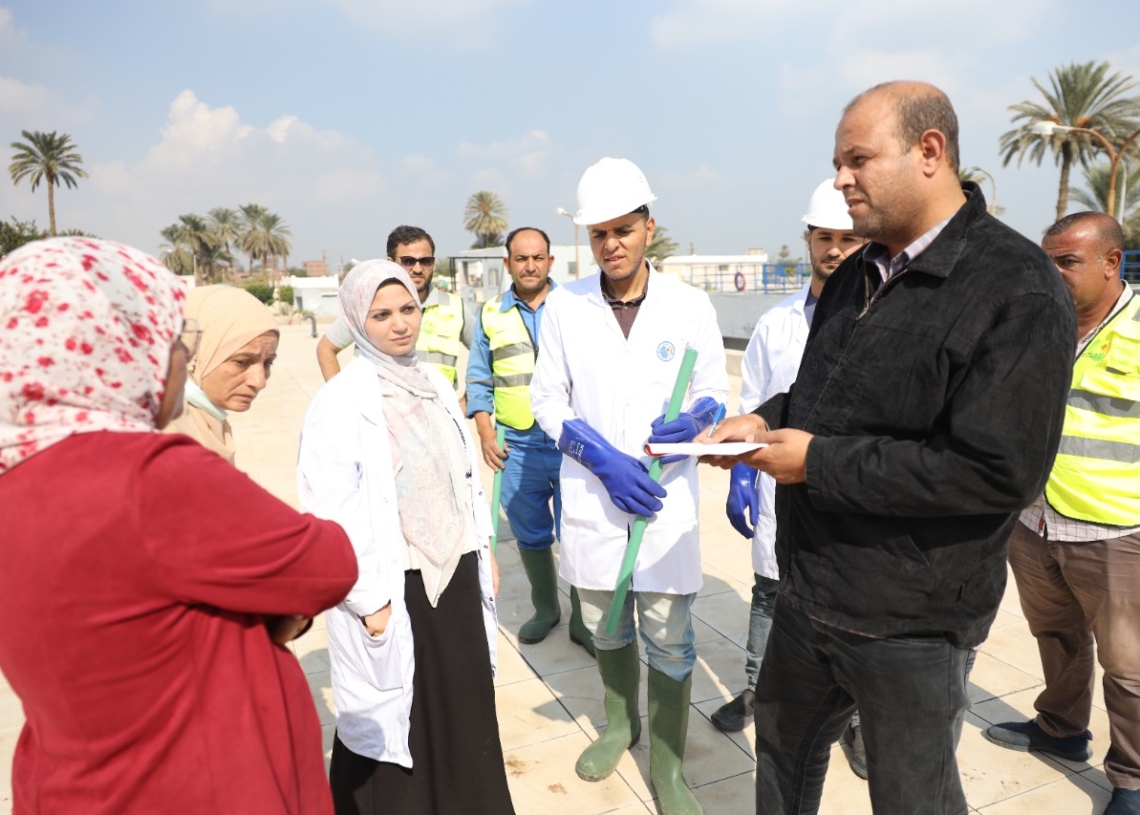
(385,452)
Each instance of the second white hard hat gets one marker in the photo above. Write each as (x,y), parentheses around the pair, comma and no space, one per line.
(827,208)
(609,189)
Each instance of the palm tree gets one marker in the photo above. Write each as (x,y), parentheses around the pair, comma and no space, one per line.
(226,226)
(247,224)
(175,255)
(486,218)
(1095,197)
(662,246)
(264,235)
(49,157)
(1080,96)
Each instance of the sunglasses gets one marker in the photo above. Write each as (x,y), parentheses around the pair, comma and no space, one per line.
(409,262)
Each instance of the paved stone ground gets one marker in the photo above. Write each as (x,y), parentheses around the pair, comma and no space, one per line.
(549,695)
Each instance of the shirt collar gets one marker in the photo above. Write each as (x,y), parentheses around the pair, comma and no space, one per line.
(636,301)
(432,300)
(888,266)
(510,301)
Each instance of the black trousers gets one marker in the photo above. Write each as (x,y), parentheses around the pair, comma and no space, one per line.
(456,754)
(911,695)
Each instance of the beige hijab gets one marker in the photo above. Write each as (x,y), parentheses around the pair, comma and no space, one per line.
(229,318)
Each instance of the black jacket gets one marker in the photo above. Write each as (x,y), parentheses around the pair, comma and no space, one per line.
(936,401)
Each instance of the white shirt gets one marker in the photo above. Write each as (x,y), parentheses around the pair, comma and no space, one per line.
(587,369)
(770,364)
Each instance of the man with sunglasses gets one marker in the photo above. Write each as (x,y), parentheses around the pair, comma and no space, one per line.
(448,321)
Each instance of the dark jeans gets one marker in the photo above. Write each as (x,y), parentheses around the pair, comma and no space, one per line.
(911,692)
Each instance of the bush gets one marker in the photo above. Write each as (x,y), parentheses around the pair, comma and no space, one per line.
(287,294)
(262,291)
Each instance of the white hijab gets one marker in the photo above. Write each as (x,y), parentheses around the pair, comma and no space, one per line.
(432,468)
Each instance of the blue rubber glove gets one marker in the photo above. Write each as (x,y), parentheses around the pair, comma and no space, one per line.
(743,505)
(625,478)
(685,427)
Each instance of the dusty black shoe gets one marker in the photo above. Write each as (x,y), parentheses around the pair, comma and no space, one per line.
(1028,737)
(735,715)
(857,756)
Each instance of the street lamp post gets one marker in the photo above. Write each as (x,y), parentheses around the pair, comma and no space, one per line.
(577,265)
(1047,128)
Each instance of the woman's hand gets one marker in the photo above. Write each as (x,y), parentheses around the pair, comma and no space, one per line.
(494,575)
(377,622)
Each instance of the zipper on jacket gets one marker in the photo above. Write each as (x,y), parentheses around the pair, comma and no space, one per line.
(869,299)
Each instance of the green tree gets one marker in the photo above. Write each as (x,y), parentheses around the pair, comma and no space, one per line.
(49,157)
(1095,196)
(264,235)
(15,234)
(1079,96)
(662,246)
(226,226)
(485,216)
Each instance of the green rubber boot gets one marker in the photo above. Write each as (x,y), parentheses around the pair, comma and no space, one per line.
(668,726)
(621,672)
(543,577)
(579,634)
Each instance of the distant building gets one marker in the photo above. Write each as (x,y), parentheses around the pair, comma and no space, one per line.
(316,268)
(482,271)
(736,273)
(316,295)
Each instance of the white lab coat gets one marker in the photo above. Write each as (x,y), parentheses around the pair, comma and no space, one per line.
(345,474)
(587,369)
(771,362)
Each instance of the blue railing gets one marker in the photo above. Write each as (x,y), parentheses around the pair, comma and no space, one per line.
(770,278)
(1130,269)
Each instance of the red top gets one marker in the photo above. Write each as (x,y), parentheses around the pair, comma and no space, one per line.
(135,570)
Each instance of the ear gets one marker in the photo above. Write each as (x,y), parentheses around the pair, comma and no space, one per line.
(1112,260)
(932,150)
(650,228)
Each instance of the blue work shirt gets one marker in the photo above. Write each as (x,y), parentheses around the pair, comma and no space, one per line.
(480,387)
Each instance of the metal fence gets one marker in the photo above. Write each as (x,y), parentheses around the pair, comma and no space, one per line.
(767,278)
(1130,269)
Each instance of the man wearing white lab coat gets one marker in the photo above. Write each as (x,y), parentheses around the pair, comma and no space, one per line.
(769,366)
(611,347)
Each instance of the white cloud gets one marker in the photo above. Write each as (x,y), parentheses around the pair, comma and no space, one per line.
(34,104)
(528,154)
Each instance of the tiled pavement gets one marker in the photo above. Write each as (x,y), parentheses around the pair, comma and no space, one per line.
(549,695)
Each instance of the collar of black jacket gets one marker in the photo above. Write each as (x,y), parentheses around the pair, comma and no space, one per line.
(942,255)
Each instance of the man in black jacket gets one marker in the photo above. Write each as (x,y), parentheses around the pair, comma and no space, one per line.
(926,415)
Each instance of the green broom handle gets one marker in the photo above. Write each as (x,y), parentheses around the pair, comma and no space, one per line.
(625,576)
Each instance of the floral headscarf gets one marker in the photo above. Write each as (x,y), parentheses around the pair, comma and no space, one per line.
(86,328)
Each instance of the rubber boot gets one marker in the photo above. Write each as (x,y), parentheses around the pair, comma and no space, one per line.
(579,634)
(668,727)
(543,577)
(621,673)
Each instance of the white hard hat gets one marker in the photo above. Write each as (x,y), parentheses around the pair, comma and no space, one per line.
(609,189)
(827,208)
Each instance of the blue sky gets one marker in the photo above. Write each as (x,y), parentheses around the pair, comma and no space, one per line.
(348,117)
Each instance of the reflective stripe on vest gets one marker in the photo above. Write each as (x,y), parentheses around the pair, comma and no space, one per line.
(440,331)
(512,363)
(1096,476)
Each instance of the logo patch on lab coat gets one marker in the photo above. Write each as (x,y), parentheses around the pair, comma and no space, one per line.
(666,351)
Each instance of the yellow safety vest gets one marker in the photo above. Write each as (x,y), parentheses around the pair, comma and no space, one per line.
(512,363)
(1096,477)
(440,331)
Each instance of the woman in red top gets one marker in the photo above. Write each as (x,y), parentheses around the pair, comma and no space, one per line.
(137,569)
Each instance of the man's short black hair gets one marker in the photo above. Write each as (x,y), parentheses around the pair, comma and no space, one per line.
(511,237)
(1109,234)
(405,235)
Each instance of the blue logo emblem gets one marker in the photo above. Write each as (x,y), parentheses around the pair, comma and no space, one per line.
(666,351)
